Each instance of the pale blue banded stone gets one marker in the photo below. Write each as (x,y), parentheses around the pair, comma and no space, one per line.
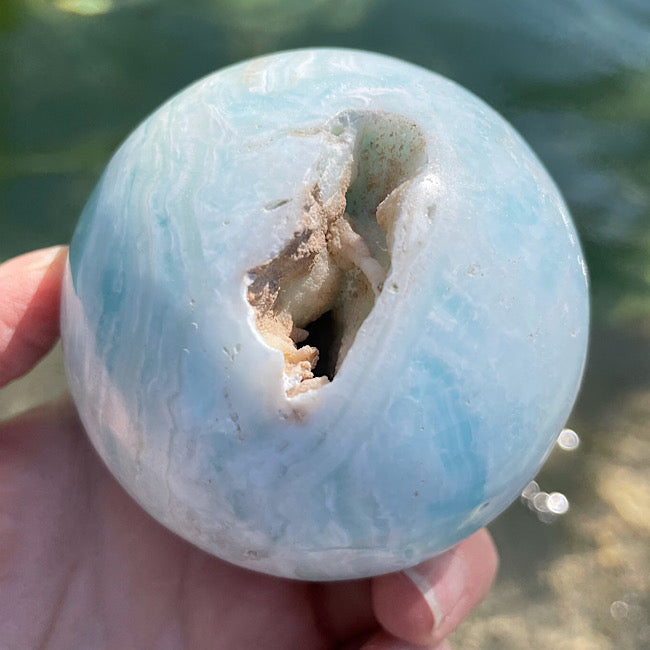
(456,386)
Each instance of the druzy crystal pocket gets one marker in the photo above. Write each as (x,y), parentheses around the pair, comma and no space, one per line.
(325,314)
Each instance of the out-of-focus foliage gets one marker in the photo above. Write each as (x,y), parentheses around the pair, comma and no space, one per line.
(573,76)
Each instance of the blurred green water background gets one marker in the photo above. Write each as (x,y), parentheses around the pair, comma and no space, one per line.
(572,75)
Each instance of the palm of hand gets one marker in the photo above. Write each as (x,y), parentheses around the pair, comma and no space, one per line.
(85,567)
(82,566)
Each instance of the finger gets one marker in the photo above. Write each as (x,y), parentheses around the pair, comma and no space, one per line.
(424,604)
(30,289)
(344,609)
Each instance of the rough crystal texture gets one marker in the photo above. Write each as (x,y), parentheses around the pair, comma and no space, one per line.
(462,329)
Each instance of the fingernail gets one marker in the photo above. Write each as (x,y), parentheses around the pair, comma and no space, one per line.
(442,592)
(44,257)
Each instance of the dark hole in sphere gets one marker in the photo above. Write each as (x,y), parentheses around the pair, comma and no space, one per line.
(322,336)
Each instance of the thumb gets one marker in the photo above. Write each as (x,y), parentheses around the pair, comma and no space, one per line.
(30,290)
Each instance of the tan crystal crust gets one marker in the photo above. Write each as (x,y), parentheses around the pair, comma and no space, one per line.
(302,282)
(328,266)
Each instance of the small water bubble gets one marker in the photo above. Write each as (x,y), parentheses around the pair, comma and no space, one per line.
(540,502)
(619,610)
(529,492)
(568,440)
(557,503)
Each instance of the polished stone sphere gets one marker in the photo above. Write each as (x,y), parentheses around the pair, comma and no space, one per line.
(325,314)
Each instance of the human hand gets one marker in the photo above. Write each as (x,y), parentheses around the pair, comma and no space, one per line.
(82,566)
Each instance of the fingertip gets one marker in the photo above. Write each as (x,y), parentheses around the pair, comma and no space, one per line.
(483,555)
(30,290)
(425,603)
(482,558)
(400,607)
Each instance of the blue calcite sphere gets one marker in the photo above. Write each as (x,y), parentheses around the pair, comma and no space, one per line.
(325,314)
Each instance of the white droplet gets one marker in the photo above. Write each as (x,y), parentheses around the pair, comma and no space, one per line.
(568,440)
(540,502)
(529,491)
(557,503)
(618,610)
